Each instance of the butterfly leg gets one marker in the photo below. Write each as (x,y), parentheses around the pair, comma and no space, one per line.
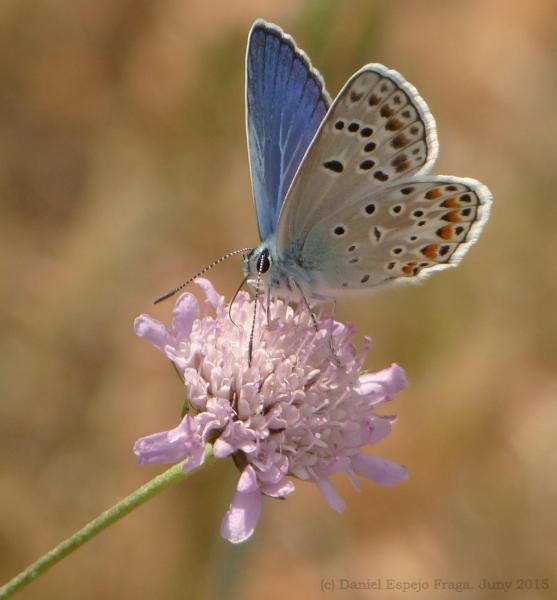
(333,301)
(326,299)
(233,299)
(334,356)
(268,305)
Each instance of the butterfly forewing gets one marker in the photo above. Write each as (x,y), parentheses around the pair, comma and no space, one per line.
(403,231)
(377,131)
(285,103)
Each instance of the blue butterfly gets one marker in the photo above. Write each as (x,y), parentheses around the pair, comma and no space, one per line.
(344,203)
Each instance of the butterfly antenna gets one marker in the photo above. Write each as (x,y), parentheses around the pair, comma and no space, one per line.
(207,268)
(234,298)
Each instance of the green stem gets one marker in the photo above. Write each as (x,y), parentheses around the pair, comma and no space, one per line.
(104,520)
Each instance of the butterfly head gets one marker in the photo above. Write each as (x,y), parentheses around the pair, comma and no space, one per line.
(258,263)
(264,270)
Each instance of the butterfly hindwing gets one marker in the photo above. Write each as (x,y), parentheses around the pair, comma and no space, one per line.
(401,232)
(286,102)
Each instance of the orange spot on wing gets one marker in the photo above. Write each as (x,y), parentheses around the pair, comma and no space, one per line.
(445,232)
(432,194)
(400,141)
(386,111)
(400,163)
(450,203)
(393,124)
(410,269)
(402,167)
(430,251)
(452,217)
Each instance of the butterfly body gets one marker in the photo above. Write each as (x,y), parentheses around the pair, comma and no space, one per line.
(344,201)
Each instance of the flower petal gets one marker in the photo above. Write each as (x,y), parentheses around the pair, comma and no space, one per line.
(172,446)
(196,387)
(383,384)
(157,449)
(379,429)
(380,470)
(213,297)
(278,490)
(175,355)
(330,494)
(197,458)
(242,517)
(153,331)
(222,449)
(236,436)
(248,481)
(185,312)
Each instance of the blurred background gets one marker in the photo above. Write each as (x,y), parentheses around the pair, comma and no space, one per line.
(123,169)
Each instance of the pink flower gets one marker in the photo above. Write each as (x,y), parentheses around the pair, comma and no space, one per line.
(292,413)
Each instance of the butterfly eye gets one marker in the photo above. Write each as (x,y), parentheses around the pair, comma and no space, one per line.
(263,262)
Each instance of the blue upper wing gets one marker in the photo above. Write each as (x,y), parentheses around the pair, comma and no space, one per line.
(286,101)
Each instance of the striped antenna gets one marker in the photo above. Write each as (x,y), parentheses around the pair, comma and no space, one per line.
(208,268)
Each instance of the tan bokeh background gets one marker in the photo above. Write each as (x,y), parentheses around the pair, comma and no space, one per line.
(123,169)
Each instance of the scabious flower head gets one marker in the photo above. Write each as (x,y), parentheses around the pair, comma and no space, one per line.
(294,412)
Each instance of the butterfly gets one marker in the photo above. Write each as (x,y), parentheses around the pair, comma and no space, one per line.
(343,198)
